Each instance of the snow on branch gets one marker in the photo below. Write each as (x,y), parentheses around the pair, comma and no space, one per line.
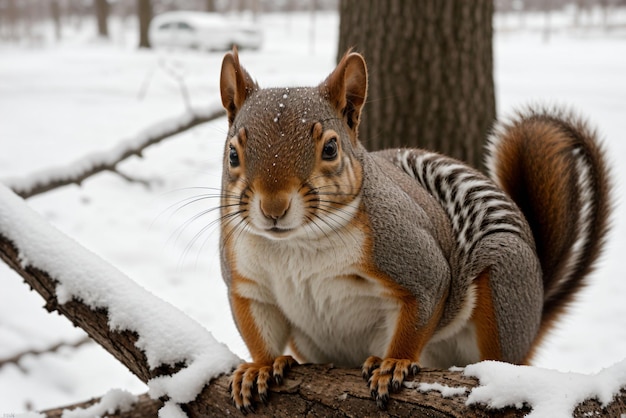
(166,349)
(178,358)
(323,390)
(77,171)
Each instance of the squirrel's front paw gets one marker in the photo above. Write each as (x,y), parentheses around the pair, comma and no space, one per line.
(385,376)
(249,376)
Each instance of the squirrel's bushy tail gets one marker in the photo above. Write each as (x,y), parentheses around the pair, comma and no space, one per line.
(552,165)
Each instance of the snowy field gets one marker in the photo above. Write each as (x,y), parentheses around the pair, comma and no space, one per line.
(61,101)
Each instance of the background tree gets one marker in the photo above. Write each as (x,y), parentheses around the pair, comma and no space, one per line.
(11,19)
(55,12)
(144,13)
(102,16)
(431,72)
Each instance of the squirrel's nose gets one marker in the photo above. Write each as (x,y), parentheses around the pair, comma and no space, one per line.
(275,207)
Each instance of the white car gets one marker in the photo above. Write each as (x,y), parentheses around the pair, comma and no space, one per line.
(206,31)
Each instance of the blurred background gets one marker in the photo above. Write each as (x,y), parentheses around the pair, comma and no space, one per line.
(44,22)
(81,79)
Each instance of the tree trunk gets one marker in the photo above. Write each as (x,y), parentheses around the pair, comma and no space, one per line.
(55,11)
(102,16)
(10,19)
(209,6)
(430,71)
(144,13)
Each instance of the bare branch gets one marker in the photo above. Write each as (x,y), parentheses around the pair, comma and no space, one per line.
(176,76)
(180,80)
(131,179)
(19,356)
(78,171)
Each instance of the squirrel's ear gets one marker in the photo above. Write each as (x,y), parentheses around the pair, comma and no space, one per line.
(235,84)
(346,87)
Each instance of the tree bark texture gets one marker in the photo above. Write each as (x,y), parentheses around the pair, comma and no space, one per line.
(144,13)
(325,391)
(308,390)
(430,73)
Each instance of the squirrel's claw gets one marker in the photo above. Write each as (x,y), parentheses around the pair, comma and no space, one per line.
(262,384)
(371,364)
(249,378)
(385,376)
(282,365)
(242,383)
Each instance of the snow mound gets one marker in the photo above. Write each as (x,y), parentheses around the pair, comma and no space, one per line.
(549,393)
(114,400)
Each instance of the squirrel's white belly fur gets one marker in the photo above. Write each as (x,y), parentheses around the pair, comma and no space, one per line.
(335,314)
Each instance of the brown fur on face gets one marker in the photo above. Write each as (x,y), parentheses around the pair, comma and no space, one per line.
(280,145)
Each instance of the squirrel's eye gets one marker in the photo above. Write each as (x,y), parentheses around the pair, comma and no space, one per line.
(233,157)
(329,152)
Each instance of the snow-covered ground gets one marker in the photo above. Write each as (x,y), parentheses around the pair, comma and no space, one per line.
(60,101)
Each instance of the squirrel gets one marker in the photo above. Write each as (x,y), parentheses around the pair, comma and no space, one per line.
(397,259)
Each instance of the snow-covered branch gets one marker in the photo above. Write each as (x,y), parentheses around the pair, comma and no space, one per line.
(166,349)
(181,362)
(77,171)
(322,390)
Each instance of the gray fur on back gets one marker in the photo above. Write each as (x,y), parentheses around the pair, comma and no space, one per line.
(489,232)
(412,242)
